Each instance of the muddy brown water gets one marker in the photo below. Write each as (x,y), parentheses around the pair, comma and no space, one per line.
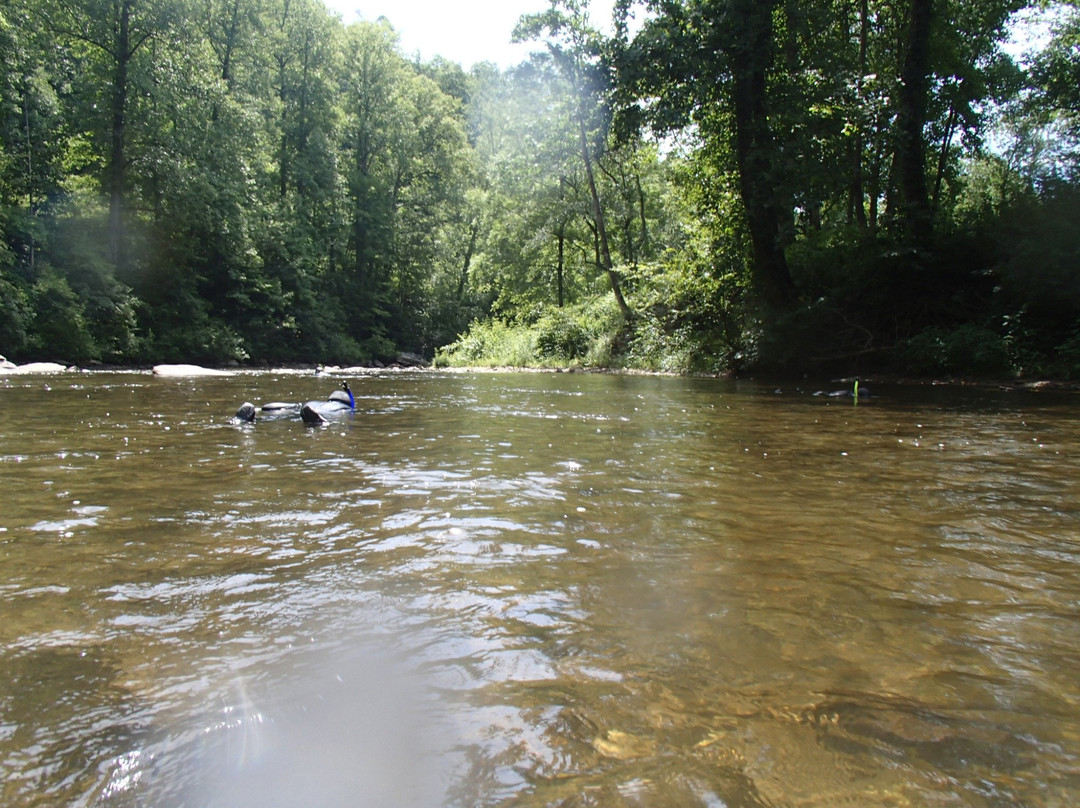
(537,590)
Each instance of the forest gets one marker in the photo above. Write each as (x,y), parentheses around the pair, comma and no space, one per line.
(715,186)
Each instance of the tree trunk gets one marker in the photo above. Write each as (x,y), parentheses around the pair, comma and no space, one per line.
(122,52)
(601,229)
(751,54)
(943,157)
(283,149)
(30,212)
(911,119)
(874,187)
(857,205)
(561,263)
(230,43)
(463,278)
(641,214)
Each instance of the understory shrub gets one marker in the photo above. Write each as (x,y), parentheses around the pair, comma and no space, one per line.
(1067,365)
(584,334)
(561,335)
(490,343)
(59,327)
(659,345)
(966,349)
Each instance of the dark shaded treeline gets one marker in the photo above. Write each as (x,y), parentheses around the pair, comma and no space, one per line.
(735,184)
(881,230)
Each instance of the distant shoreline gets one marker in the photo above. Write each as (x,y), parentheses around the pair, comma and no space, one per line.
(45,369)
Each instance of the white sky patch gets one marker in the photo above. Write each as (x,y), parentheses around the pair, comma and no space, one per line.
(465,32)
(1030,30)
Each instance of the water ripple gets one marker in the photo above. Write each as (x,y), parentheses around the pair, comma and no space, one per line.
(538,589)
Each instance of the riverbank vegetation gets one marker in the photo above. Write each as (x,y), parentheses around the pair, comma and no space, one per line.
(714,185)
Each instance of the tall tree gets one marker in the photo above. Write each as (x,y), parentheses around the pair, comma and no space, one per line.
(1048,122)
(718,58)
(116,33)
(574,47)
(911,121)
(374,124)
(748,41)
(533,180)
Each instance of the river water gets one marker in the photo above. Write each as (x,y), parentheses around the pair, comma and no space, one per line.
(537,590)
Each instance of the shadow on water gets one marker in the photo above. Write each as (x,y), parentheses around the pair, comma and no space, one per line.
(535,590)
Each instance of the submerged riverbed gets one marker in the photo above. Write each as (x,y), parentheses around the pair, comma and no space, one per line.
(537,590)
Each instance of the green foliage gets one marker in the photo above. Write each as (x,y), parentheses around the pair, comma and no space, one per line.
(965,350)
(490,343)
(1066,364)
(258,181)
(59,327)
(1055,82)
(240,180)
(657,346)
(693,316)
(16,318)
(577,336)
(1040,248)
(560,335)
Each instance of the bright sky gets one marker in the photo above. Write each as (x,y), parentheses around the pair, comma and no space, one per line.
(463,31)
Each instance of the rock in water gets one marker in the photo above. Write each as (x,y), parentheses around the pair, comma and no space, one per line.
(37,367)
(187,370)
(412,360)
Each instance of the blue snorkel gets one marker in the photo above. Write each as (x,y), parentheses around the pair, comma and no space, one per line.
(352,401)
